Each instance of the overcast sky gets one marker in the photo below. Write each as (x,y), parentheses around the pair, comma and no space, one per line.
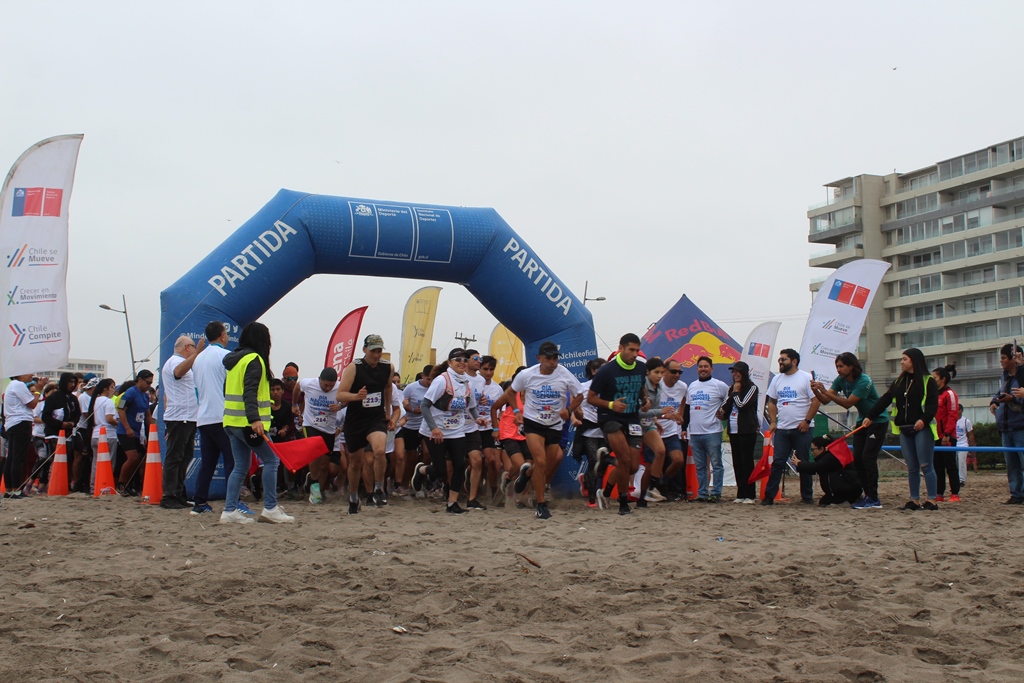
(652,149)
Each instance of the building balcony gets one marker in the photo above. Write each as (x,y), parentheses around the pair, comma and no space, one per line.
(836,258)
(832,233)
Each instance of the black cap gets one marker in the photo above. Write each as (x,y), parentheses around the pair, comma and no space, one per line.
(740,366)
(548,348)
(329,375)
(456,353)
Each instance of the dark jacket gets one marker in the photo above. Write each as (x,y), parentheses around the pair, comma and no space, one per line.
(747,420)
(906,391)
(251,381)
(1010,416)
(57,401)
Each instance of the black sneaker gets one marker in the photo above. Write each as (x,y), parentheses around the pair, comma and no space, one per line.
(379,498)
(1015,501)
(911,505)
(474,505)
(418,478)
(454,509)
(767,501)
(641,503)
(353,507)
(172,504)
(714,498)
(542,511)
(522,479)
(929,505)
(624,509)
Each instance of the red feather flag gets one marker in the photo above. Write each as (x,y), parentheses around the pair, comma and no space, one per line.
(762,469)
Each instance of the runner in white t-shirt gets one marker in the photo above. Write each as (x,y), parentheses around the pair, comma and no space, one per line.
(317,399)
(673,395)
(545,388)
(489,392)
(474,444)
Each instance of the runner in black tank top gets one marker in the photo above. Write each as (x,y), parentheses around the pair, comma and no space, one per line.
(365,387)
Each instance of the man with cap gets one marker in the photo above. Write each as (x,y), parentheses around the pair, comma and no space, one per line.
(365,388)
(550,395)
(317,398)
(181,412)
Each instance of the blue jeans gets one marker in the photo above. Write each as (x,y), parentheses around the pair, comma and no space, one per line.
(919,452)
(240,449)
(786,442)
(1014,462)
(708,447)
(213,444)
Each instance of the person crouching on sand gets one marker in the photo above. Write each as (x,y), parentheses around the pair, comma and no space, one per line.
(839,483)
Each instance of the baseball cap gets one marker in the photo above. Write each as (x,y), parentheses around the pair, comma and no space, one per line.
(548,348)
(740,366)
(88,377)
(91,384)
(373,342)
(456,353)
(329,375)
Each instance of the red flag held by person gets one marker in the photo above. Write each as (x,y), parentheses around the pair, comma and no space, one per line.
(298,453)
(762,469)
(841,450)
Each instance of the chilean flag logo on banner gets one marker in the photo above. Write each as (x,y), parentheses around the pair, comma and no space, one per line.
(849,293)
(37,201)
(759,350)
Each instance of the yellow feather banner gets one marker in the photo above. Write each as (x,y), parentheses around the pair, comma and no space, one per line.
(418,331)
(508,349)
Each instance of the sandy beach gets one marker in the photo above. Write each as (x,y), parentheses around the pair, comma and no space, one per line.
(111,590)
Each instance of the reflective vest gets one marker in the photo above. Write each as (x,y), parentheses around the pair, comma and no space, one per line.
(234,390)
(924,398)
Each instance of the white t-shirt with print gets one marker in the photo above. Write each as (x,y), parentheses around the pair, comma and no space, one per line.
(963,428)
(704,399)
(793,395)
(672,397)
(316,412)
(16,400)
(181,401)
(544,396)
(104,407)
(451,422)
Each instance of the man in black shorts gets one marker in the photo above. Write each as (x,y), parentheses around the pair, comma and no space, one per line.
(368,419)
(615,392)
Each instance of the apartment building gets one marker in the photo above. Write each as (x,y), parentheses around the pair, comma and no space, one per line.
(954,235)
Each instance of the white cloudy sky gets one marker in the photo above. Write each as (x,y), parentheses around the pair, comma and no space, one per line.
(652,148)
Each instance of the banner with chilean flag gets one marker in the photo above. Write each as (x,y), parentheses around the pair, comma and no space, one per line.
(342,346)
(34,334)
(837,316)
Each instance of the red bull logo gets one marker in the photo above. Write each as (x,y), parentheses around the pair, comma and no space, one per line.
(702,344)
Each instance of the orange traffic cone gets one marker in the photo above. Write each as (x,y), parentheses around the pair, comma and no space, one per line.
(3,487)
(104,484)
(152,481)
(59,471)
(691,476)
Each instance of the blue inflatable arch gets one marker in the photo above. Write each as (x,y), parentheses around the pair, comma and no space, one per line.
(297,235)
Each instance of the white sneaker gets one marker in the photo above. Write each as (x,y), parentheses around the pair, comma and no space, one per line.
(276,515)
(740,500)
(235,517)
(749,501)
(653,496)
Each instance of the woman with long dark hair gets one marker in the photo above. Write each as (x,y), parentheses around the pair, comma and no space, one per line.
(917,398)
(945,421)
(853,389)
(744,425)
(247,421)
(837,477)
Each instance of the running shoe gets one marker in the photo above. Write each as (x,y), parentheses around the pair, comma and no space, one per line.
(353,507)
(244,509)
(940,499)
(929,505)
(740,500)
(714,498)
(954,498)
(583,485)
(592,504)
(602,503)
(624,509)
(503,482)
(522,479)
(201,509)
(862,504)
(875,504)
(276,515)
(475,505)
(314,494)
(641,502)
(542,511)
(308,483)
(911,505)
(454,509)
(749,501)
(235,517)
(380,499)
(417,479)
(653,496)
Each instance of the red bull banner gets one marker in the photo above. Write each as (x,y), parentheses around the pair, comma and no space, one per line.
(342,346)
(686,333)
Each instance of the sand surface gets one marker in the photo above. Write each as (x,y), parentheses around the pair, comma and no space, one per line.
(110,590)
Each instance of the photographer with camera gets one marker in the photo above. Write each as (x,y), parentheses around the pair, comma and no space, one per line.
(1007,407)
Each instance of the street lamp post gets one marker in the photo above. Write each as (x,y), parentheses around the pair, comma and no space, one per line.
(131,350)
(586,286)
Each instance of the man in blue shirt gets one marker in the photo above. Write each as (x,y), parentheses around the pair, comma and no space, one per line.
(133,418)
